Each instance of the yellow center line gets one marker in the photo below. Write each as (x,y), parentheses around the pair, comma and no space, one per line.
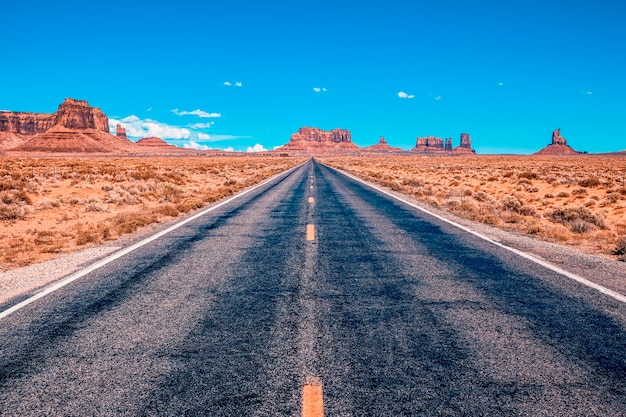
(312,399)
(310,232)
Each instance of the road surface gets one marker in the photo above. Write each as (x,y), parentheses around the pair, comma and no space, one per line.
(315,278)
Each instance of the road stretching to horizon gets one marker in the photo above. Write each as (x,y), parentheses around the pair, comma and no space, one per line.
(316,280)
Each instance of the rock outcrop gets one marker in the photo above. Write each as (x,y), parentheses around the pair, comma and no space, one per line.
(155,142)
(77,114)
(382,147)
(311,140)
(75,127)
(438,146)
(120,131)
(557,139)
(429,144)
(465,148)
(23,123)
(558,146)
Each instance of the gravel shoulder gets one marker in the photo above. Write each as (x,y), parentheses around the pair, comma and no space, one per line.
(18,284)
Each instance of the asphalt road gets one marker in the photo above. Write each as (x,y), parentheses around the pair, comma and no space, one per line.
(396,312)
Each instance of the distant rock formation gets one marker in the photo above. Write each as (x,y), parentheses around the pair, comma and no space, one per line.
(557,139)
(120,131)
(435,145)
(383,147)
(429,144)
(311,140)
(155,142)
(75,127)
(558,146)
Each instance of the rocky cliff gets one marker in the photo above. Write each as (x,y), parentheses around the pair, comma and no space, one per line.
(23,123)
(77,114)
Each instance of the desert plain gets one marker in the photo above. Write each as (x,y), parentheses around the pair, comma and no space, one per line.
(578,201)
(52,206)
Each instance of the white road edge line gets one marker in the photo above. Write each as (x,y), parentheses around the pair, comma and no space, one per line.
(578,278)
(79,274)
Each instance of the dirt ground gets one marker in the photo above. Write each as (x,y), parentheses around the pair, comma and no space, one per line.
(57,205)
(577,201)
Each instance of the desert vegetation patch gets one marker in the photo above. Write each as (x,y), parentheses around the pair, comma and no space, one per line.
(579,200)
(56,205)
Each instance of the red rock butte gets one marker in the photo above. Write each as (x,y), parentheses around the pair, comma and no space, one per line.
(75,128)
(314,141)
(558,146)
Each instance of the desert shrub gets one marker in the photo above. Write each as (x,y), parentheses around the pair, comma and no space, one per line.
(528,175)
(562,194)
(580,226)
(527,211)
(189,204)
(15,197)
(579,191)
(412,182)
(572,217)
(171,192)
(86,236)
(548,195)
(130,222)
(620,246)
(11,212)
(589,182)
(95,207)
(167,210)
(557,232)
(510,203)
(44,237)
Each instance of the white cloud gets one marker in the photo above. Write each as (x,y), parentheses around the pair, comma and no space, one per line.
(195,145)
(197,112)
(201,125)
(229,149)
(589,93)
(256,148)
(130,119)
(319,89)
(402,94)
(137,128)
(239,84)
(438,98)
(203,136)
(500,84)
(227,83)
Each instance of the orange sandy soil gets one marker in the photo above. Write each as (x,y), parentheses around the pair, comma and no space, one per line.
(53,206)
(578,201)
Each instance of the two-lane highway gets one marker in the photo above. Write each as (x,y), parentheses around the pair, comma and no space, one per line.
(315,278)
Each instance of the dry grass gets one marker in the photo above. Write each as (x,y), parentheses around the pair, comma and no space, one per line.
(53,206)
(577,201)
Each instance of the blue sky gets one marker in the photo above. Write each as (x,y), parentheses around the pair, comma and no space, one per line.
(245,75)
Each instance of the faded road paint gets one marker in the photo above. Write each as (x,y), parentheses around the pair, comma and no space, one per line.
(312,398)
